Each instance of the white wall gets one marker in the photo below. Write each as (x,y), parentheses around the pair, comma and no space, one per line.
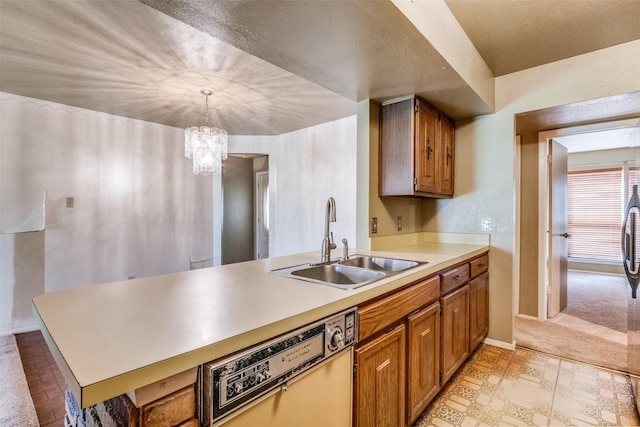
(484,176)
(138,209)
(306,167)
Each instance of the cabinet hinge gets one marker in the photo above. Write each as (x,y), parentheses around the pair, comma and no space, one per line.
(440,377)
(355,370)
(416,106)
(415,181)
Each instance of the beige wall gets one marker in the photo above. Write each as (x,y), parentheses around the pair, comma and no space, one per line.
(484,175)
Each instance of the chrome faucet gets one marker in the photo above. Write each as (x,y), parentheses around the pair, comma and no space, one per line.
(327,242)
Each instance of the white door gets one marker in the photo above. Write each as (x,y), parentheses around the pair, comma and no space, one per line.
(558,227)
(262,215)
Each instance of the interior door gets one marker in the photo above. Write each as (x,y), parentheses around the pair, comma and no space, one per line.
(558,225)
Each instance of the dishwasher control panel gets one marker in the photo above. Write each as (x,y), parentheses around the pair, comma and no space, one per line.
(231,383)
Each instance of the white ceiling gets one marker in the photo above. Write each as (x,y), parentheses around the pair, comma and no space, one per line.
(279,65)
(628,137)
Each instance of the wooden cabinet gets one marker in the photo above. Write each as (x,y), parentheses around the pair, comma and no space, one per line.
(412,341)
(454,340)
(447,140)
(423,360)
(416,150)
(478,310)
(478,301)
(380,314)
(380,382)
(454,278)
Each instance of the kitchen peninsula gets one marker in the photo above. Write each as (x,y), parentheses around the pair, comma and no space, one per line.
(122,337)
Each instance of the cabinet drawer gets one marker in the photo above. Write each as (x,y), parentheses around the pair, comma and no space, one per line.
(382,313)
(454,278)
(479,265)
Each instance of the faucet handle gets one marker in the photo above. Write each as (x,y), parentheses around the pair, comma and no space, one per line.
(345,250)
(331,242)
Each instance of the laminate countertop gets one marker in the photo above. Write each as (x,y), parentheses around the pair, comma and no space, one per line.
(109,339)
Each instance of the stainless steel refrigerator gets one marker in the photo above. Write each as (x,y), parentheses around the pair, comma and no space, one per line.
(631,267)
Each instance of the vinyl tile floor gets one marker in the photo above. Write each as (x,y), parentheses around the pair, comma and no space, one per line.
(498,387)
(495,387)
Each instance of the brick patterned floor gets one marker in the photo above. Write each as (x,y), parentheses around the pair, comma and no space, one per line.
(45,380)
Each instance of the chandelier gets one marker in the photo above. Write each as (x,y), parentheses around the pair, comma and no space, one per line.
(207,146)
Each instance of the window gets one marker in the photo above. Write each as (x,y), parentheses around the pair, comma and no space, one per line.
(595,214)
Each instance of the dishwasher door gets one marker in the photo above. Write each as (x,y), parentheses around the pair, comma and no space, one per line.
(320,397)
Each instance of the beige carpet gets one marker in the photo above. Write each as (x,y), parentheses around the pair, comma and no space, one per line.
(598,298)
(16,406)
(591,329)
(576,339)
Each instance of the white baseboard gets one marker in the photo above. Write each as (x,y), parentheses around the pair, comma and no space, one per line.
(500,344)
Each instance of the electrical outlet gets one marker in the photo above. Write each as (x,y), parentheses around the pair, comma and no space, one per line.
(374,225)
(69,202)
(399,223)
(485,224)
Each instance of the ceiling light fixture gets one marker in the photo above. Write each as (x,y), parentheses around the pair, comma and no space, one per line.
(207,146)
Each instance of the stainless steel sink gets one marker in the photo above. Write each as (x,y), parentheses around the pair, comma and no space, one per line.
(339,274)
(357,271)
(379,263)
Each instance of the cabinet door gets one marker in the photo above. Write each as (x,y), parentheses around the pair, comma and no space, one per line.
(380,381)
(426,135)
(478,309)
(446,156)
(454,340)
(423,366)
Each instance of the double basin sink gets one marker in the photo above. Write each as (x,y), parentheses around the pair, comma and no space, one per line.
(358,270)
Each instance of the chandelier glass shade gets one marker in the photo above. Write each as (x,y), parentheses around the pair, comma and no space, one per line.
(207,146)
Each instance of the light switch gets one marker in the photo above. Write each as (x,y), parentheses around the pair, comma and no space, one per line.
(374,225)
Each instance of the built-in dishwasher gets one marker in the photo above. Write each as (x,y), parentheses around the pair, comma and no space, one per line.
(302,378)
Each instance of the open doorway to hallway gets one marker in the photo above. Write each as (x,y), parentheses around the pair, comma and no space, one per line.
(531,240)
(593,325)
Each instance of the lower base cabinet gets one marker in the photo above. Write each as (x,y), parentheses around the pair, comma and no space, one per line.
(478,310)
(454,342)
(412,342)
(423,362)
(380,380)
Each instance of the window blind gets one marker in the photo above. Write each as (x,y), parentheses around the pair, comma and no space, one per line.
(595,217)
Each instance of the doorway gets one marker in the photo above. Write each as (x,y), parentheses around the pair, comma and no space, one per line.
(242,199)
(590,148)
(592,328)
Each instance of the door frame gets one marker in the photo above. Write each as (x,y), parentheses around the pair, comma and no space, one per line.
(258,204)
(543,199)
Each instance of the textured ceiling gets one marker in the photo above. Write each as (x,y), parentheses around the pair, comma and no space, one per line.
(279,65)
(515,35)
(124,58)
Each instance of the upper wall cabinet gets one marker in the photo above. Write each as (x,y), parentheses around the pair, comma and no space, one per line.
(416,150)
